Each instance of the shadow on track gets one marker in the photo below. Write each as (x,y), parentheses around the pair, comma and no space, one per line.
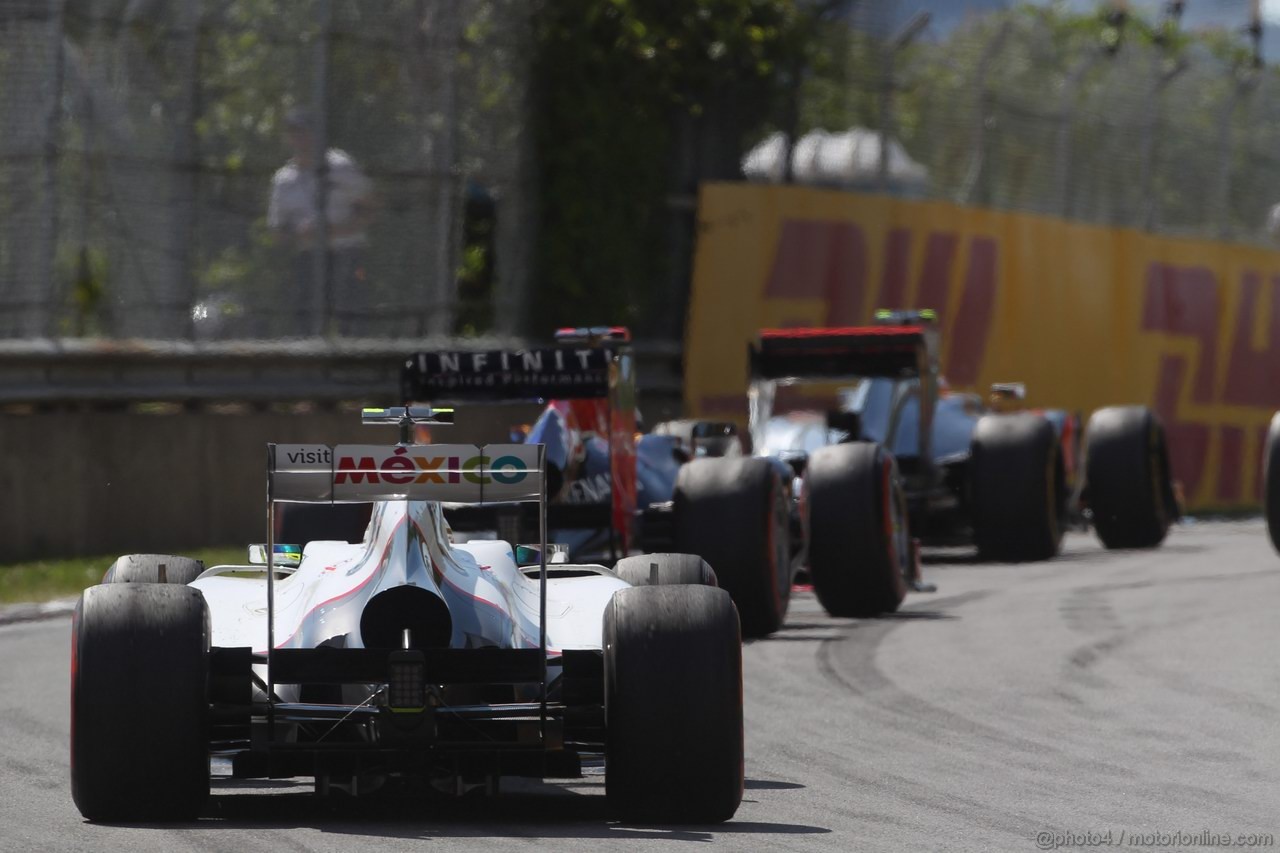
(537,810)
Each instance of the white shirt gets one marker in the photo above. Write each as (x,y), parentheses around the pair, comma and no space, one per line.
(293,197)
(1273,223)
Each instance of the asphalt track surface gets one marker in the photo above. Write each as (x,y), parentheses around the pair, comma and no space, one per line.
(1132,692)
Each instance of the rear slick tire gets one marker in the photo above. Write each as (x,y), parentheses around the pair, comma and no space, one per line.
(1271,482)
(736,515)
(1127,477)
(673,705)
(1017,488)
(140,702)
(858,540)
(153,568)
(666,570)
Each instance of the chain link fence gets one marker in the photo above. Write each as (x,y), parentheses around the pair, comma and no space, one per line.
(1116,118)
(161,172)
(161,177)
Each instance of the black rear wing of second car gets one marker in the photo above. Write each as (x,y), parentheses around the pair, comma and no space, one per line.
(895,351)
(582,366)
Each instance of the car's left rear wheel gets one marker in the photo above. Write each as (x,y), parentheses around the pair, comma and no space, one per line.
(140,703)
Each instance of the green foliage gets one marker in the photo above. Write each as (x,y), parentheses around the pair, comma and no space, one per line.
(42,580)
(616,79)
(1018,72)
(84,274)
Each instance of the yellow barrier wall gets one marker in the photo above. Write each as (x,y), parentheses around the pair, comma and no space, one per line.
(1086,316)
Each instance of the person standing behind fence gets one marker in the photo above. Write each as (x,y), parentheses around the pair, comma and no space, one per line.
(294,216)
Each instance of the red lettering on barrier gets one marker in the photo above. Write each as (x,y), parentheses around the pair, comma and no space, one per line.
(1188,442)
(821,260)
(1231,465)
(828,261)
(897,258)
(973,319)
(1253,376)
(935,275)
(1184,301)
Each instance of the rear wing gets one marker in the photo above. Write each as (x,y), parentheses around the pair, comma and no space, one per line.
(507,376)
(456,473)
(896,351)
(904,345)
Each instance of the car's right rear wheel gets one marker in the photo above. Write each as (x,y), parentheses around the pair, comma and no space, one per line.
(140,702)
(859,547)
(673,704)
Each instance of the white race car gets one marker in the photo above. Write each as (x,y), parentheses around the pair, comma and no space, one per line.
(406,654)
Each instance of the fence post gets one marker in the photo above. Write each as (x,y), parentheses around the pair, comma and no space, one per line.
(443,280)
(321,296)
(1161,78)
(184,191)
(1226,142)
(1246,80)
(978,162)
(888,83)
(50,158)
(1066,119)
(1147,159)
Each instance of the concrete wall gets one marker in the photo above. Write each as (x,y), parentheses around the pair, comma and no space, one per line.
(102,483)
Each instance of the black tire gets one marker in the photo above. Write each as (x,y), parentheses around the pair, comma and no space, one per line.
(1017,488)
(735,514)
(145,568)
(673,705)
(671,570)
(858,540)
(1127,477)
(139,702)
(303,523)
(1271,481)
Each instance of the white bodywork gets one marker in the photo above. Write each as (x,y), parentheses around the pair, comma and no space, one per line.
(491,601)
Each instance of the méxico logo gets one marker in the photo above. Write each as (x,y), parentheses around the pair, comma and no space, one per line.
(403,468)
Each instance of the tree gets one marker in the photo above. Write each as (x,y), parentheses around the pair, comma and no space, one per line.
(619,84)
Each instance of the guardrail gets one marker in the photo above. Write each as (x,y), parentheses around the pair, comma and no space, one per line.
(58,372)
(88,456)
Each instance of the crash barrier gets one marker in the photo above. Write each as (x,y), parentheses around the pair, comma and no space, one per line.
(100,371)
(1087,316)
(92,483)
